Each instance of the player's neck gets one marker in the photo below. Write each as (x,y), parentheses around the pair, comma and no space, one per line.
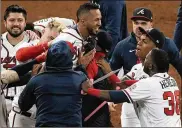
(83,32)
(151,73)
(15,40)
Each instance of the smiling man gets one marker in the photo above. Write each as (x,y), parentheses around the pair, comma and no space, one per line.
(88,23)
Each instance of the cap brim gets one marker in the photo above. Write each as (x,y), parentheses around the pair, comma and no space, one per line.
(140,18)
(145,32)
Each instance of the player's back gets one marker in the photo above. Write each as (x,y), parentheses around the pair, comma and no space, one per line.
(161,107)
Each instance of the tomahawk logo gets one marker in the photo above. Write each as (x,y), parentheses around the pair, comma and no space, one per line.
(141,12)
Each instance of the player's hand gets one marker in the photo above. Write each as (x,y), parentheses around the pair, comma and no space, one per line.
(104,65)
(121,85)
(42,57)
(85,59)
(112,106)
(32,35)
(36,68)
(50,43)
(86,85)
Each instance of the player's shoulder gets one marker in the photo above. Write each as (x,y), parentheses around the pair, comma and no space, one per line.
(137,66)
(3,36)
(71,32)
(145,82)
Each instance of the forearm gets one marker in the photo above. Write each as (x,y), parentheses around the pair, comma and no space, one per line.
(23,69)
(22,81)
(27,53)
(103,94)
(112,96)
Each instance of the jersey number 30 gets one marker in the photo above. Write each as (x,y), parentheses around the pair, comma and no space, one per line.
(173,99)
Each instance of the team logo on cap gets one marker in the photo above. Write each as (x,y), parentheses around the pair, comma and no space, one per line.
(141,12)
(157,41)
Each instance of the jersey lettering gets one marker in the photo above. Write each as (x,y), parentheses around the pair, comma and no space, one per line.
(8,62)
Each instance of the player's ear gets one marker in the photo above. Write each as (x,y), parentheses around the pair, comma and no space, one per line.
(150,66)
(82,21)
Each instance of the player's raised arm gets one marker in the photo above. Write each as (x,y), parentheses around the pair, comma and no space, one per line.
(108,95)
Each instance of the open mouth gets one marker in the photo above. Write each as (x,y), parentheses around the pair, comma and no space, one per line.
(138,49)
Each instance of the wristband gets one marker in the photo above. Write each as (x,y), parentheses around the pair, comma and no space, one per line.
(94,92)
(114,79)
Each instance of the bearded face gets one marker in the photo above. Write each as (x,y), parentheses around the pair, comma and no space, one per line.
(15,24)
(93,22)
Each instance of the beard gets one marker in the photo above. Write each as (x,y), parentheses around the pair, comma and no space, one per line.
(14,33)
(92,32)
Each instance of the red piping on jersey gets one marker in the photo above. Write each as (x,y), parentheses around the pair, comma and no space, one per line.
(128,95)
(73,36)
(26,53)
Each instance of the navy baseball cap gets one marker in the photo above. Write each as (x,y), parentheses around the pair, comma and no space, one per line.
(142,14)
(155,35)
(104,40)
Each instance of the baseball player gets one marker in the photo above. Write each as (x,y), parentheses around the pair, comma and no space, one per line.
(153,39)
(128,117)
(15,21)
(88,23)
(78,35)
(155,99)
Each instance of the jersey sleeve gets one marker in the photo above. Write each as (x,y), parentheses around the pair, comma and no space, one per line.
(139,91)
(132,73)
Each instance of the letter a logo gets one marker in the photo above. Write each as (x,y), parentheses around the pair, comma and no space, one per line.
(141,12)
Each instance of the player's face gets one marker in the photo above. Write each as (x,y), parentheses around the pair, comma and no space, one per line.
(148,63)
(141,23)
(144,46)
(50,33)
(93,21)
(15,24)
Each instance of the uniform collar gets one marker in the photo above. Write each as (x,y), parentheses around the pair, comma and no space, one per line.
(162,75)
(133,38)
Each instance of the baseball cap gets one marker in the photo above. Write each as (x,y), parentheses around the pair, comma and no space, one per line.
(155,35)
(142,14)
(104,40)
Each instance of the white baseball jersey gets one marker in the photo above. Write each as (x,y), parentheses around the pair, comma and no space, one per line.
(128,115)
(157,100)
(72,36)
(41,24)
(8,53)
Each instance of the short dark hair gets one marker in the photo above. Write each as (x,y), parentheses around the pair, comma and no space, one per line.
(85,8)
(15,9)
(160,59)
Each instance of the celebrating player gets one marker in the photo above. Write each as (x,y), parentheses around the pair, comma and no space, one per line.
(150,96)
